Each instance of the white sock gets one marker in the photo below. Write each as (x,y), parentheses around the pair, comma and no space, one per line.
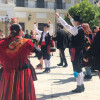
(82,78)
(79,80)
(48,63)
(45,61)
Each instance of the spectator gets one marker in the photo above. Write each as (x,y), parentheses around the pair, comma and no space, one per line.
(62,44)
(1,35)
(27,35)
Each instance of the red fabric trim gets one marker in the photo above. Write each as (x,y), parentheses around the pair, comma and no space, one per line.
(17,85)
(43,43)
(72,53)
(26,82)
(52,43)
(12,76)
(48,49)
(5,85)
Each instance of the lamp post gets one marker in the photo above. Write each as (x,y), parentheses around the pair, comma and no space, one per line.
(29,17)
(55,8)
(6,21)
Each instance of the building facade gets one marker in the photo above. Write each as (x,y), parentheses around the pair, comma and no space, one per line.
(29,11)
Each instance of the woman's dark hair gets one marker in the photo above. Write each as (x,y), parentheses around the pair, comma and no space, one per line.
(94,28)
(15,29)
(61,26)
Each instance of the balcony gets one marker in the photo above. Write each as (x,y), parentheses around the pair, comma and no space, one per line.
(20,3)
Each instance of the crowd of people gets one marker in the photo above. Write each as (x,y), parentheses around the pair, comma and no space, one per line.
(17,74)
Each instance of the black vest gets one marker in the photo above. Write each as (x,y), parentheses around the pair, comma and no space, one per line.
(78,40)
(47,39)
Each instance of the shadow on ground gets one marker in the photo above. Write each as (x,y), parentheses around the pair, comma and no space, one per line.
(64,81)
(45,97)
(44,68)
(52,73)
(59,56)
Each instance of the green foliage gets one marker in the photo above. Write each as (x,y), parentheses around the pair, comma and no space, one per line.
(87,11)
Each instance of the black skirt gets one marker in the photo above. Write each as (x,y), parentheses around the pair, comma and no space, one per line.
(45,53)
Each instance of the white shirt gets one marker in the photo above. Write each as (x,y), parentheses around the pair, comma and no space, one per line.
(44,34)
(38,37)
(71,29)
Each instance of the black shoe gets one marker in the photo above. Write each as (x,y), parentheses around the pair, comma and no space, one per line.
(60,64)
(66,65)
(77,90)
(83,88)
(87,77)
(45,70)
(48,70)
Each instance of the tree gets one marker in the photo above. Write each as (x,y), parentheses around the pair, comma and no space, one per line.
(87,11)
(97,15)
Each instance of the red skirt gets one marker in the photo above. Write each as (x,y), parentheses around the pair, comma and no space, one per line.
(17,85)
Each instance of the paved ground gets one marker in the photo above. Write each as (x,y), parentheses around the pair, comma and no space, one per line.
(58,84)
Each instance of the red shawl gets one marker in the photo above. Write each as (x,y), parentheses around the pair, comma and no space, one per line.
(14,51)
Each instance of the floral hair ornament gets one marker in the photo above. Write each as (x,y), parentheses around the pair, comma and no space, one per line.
(86,28)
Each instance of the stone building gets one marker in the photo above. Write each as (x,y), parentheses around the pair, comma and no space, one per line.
(29,11)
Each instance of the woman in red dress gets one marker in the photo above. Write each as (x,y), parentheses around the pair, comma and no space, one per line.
(17,78)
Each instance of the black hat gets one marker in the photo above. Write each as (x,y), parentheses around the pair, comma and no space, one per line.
(46,25)
(77,18)
(61,26)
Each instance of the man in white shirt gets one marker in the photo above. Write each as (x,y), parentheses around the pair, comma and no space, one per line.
(77,42)
(45,43)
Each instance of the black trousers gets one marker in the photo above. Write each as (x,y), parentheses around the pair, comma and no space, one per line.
(77,61)
(62,56)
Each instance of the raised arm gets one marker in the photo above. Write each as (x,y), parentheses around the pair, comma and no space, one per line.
(72,30)
(51,29)
(71,19)
(36,29)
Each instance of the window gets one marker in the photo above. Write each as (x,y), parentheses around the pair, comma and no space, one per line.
(40,4)
(59,4)
(20,3)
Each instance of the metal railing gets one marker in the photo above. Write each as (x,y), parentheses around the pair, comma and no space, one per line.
(23,3)
(61,6)
(41,4)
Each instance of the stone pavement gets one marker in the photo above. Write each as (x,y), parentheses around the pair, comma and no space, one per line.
(57,84)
